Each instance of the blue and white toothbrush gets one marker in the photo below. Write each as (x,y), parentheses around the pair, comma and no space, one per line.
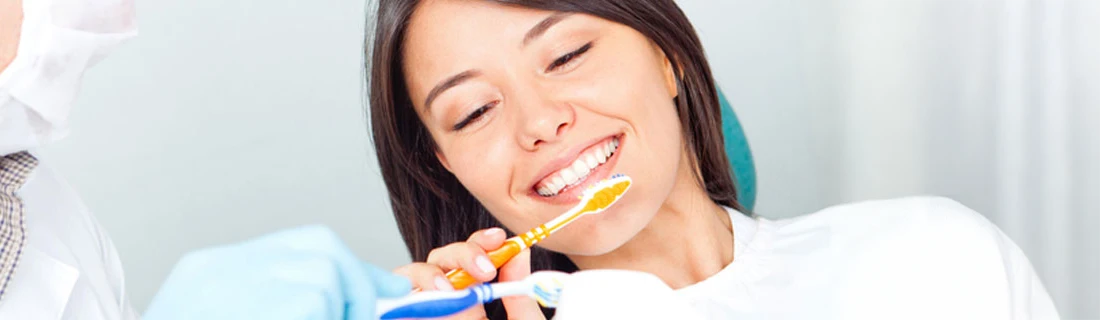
(544,286)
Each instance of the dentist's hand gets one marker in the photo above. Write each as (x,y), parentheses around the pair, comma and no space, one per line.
(301,273)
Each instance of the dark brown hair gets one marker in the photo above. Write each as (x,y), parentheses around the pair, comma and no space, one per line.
(433,209)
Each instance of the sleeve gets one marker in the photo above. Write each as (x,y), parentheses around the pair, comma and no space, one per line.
(1028,299)
(932,258)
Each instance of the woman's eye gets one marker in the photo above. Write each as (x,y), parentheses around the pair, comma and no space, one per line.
(565,59)
(473,116)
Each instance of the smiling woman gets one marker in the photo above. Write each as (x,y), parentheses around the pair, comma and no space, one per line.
(490,114)
(557,83)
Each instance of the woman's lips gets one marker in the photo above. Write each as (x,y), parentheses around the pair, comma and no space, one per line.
(592,164)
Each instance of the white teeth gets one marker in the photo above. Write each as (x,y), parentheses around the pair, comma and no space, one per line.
(590,160)
(568,175)
(578,170)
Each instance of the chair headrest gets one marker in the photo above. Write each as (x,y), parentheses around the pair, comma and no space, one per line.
(740,156)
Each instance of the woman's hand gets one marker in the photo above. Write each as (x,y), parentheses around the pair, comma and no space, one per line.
(471,256)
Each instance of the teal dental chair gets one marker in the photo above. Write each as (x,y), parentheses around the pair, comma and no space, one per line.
(740,156)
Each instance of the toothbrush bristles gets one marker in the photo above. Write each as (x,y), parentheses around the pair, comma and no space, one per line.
(612,177)
(547,294)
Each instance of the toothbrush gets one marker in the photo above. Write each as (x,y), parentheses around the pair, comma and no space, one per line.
(595,199)
(544,286)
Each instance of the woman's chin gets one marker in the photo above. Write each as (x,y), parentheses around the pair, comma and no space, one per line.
(585,243)
(584,250)
(602,233)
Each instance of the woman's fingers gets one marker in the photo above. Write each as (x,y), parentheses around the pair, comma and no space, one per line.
(488,239)
(519,307)
(470,255)
(429,277)
(425,276)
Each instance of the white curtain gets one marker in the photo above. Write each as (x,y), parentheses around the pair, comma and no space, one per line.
(994,103)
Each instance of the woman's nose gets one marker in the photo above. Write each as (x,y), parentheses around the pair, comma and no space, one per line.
(542,121)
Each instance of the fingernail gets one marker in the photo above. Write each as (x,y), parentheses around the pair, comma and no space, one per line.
(442,284)
(484,264)
(493,231)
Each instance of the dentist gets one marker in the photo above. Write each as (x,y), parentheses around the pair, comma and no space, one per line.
(57,262)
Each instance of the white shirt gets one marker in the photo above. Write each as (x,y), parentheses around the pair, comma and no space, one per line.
(69,268)
(912,258)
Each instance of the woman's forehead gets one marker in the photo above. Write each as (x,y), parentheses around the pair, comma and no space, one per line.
(454,22)
(447,37)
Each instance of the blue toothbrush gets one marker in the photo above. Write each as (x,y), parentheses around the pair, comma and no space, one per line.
(544,286)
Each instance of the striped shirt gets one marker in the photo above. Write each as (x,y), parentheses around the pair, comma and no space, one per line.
(14,169)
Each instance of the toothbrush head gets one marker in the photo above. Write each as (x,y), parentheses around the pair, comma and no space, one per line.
(603,194)
(597,198)
(546,287)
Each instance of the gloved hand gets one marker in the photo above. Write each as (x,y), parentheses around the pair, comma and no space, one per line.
(301,273)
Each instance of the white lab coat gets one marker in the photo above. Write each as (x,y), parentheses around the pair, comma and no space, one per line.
(69,268)
(913,258)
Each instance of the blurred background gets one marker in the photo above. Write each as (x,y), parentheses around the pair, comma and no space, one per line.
(226,120)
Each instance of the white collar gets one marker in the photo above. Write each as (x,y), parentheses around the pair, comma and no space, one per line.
(752,244)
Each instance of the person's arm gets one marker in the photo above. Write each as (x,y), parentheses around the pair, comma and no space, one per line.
(302,273)
(978,262)
(1030,299)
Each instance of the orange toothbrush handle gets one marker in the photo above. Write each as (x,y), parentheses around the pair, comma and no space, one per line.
(461,279)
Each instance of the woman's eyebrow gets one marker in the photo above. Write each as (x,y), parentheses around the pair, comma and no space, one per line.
(537,31)
(544,25)
(447,84)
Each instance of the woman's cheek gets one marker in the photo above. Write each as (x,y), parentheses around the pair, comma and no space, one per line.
(484,168)
(616,92)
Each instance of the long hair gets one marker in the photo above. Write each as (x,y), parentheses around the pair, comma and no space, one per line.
(433,209)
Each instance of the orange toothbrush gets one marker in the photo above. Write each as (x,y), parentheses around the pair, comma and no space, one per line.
(595,199)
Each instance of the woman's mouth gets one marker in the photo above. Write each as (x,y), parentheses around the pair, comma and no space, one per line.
(589,165)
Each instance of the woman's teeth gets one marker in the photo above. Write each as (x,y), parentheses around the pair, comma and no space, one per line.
(576,172)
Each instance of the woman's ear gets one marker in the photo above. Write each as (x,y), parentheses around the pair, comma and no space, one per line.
(670,74)
(443,160)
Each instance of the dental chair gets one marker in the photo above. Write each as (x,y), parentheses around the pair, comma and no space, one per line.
(740,156)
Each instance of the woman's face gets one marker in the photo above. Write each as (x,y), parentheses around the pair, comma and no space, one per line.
(530,107)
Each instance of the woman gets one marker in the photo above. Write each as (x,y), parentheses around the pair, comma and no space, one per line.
(490,114)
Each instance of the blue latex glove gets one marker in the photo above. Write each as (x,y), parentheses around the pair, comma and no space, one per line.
(301,273)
